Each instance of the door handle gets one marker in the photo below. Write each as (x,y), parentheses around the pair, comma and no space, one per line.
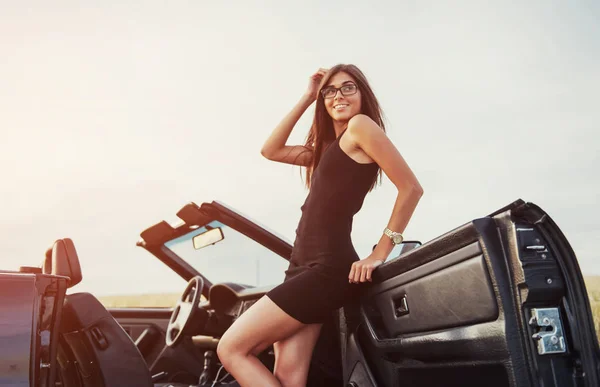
(400,306)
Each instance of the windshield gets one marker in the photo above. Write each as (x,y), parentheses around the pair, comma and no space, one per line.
(236,258)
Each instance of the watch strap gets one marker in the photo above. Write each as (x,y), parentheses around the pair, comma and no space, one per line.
(390,234)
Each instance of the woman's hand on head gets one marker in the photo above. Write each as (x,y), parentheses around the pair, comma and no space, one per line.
(361,270)
(314,81)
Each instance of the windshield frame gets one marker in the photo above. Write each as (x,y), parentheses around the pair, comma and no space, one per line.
(192,217)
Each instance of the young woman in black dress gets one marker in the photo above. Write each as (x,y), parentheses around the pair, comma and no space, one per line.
(345,152)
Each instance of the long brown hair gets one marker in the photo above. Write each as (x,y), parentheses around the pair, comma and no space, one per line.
(321,132)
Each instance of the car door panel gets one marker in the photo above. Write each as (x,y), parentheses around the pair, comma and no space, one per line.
(135,320)
(146,327)
(457,295)
(458,310)
(359,373)
(463,339)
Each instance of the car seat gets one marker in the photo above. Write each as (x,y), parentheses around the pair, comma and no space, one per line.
(104,353)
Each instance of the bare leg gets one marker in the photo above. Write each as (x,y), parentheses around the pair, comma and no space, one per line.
(293,355)
(260,326)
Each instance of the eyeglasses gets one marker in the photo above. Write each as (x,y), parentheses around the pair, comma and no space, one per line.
(346,90)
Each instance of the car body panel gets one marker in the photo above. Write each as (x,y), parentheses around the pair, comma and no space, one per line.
(16,328)
(30,312)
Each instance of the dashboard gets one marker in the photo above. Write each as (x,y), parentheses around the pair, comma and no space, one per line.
(226,302)
(233,299)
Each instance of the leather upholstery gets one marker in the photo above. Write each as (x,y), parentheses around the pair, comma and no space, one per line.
(430,251)
(105,353)
(61,259)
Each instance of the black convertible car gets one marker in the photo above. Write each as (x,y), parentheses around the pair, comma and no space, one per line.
(498,301)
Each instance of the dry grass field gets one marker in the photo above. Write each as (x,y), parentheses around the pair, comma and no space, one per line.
(140,301)
(593,287)
(168,300)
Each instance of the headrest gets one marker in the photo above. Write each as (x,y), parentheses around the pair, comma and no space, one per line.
(62,259)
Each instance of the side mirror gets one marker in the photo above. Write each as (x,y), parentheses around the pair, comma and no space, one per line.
(208,238)
(402,248)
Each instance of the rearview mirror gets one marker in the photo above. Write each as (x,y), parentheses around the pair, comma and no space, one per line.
(208,238)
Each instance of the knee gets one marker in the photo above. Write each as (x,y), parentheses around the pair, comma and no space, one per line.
(290,375)
(233,346)
(225,350)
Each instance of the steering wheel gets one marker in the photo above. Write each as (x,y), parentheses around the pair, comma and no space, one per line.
(184,312)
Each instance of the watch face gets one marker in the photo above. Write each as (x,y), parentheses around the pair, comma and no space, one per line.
(397,239)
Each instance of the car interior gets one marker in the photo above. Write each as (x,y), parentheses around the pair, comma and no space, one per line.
(498,301)
(95,350)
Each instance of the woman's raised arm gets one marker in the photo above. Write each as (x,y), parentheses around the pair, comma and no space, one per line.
(275,147)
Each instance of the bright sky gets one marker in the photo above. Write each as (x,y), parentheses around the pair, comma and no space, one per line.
(115,114)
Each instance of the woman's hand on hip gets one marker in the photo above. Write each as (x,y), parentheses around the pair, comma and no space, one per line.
(361,270)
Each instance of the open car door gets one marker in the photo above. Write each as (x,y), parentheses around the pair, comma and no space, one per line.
(499,301)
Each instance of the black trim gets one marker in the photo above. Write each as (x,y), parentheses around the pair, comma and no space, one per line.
(430,251)
(497,260)
(517,203)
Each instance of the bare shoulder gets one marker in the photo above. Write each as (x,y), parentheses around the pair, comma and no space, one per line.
(360,120)
(363,129)
(373,141)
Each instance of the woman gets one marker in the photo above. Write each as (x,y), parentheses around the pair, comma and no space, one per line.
(345,151)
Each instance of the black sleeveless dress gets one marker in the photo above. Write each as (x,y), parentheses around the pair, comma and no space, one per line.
(316,281)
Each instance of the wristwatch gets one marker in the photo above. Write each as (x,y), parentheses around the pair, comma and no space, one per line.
(396,237)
